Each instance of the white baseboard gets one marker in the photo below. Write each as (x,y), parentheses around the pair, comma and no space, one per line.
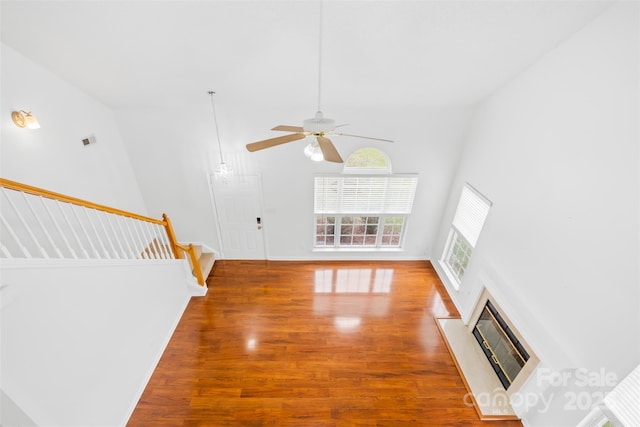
(345,256)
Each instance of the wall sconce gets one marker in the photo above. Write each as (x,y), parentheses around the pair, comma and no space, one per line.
(25,119)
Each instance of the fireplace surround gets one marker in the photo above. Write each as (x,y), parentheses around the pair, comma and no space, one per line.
(488,392)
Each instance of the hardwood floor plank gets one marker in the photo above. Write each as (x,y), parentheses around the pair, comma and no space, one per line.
(311,344)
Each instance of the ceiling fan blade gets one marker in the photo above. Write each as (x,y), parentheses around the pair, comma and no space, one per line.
(267,143)
(366,137)
(289,128)
(329,150)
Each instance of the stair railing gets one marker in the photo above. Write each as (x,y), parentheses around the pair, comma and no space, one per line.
(40,224)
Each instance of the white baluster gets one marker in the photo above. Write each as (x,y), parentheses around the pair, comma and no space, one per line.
(149,238)
(157,240)
(114,251)
(74,209)
(143,253)
(73,231)
(5,251)
(115,234)
(118,220)
(136,252)
(95,231)
(163,238)
(15,237)
(42,226)
(163,242)
(64,238)
(25,225)
(153,240)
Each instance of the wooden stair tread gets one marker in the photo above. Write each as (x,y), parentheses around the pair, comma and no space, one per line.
(207,259)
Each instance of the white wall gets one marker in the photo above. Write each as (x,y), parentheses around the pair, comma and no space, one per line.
(80,341)
(171,150)
(556,151)
(427,142)
(53,156)
(174,150)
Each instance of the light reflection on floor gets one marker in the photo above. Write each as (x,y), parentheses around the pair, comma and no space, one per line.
(347,324)
(353,280)
(429,337)
(251,343)
(349,294)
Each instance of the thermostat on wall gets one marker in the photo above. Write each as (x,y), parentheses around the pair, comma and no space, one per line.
(91,139)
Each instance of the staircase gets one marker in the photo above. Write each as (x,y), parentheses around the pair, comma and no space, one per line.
(205,255)
(111,285)
(39,224)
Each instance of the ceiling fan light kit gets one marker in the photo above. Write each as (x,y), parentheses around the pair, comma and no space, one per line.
(314,152)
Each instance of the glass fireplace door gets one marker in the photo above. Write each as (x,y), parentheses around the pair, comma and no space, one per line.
(499,344)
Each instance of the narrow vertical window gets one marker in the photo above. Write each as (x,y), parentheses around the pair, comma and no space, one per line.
(467,224)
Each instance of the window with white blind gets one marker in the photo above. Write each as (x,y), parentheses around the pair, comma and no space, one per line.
(362,211)
(467,224)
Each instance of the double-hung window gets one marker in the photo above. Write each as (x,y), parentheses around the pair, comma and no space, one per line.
(362,211)
(467,224)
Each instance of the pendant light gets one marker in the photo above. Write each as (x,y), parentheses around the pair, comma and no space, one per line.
(223,170)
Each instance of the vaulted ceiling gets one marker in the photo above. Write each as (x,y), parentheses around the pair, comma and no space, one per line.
(395,54)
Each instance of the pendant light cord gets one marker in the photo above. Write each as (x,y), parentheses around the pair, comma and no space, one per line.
(320,57)
(215,121)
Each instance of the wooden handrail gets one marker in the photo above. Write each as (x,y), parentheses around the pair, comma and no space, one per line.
(63,198)
(177,248)
(195,263)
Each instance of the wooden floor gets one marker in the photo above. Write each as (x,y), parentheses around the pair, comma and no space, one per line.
(311,344)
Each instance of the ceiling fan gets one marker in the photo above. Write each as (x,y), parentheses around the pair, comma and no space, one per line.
(319,127)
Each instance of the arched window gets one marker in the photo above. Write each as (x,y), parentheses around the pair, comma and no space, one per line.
(367,160)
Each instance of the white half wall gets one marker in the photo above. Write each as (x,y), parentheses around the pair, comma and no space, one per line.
(556,151)
(80,340)
(53,157)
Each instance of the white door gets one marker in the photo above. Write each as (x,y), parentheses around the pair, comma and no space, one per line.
(238,202)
